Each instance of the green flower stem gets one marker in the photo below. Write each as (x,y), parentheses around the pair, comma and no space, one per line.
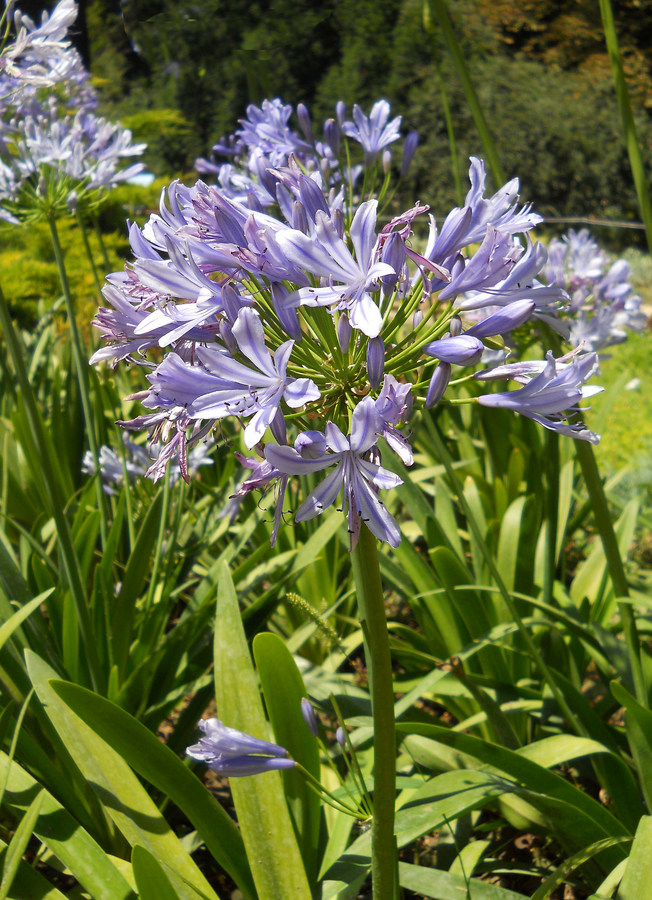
(326,795)
(81,366)
(615,567)
(366,572)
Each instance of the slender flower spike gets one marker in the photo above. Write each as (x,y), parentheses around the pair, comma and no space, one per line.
(234,753)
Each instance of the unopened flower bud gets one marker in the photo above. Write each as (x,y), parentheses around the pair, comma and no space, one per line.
(375,361)
(277,428)
(417,319)
(332,135)
(438,384)
(462,350)
(344,332)
(227,336)
(338,221)
(308,713)
(304,121)
(455,326)
(340,112)
(409,149)
(387,160)
(506,319)
(340,737)
(299,217)
(71,202)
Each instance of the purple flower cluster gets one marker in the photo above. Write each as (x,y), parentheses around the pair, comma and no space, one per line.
(282,300)
(53,148)
(603,305)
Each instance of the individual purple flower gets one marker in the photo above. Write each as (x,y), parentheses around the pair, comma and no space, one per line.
(355,473)
(351,279)
(216,385)
(373,132)
(551,391)
(489,265)
(235,754)
(394,405)
(500,210)
(521,283)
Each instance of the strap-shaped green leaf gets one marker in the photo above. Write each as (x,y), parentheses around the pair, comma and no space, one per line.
(283,690)
(259,800)
(64,836)
(122,795)
(151,880)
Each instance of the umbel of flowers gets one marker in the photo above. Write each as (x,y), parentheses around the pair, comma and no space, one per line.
(54,150)
(286,300)
(603,306)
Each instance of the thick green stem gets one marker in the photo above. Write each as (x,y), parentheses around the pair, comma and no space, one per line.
(366,571)
(81,367)
(615,566)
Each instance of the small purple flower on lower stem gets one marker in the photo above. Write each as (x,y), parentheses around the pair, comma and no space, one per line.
(551,390)
(354,472)
(234,753)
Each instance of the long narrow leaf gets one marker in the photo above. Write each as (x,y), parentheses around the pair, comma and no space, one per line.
(259,801)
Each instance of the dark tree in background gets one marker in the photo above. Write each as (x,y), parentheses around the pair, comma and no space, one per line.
(180,73)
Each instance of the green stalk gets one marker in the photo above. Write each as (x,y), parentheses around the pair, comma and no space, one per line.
(615,567)
(81,366)
(439,9)
(40,448)
(371,604)
(629,126)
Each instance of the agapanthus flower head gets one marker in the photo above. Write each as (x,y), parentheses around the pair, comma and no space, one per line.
(284,312)
(235,754)
(603,306)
